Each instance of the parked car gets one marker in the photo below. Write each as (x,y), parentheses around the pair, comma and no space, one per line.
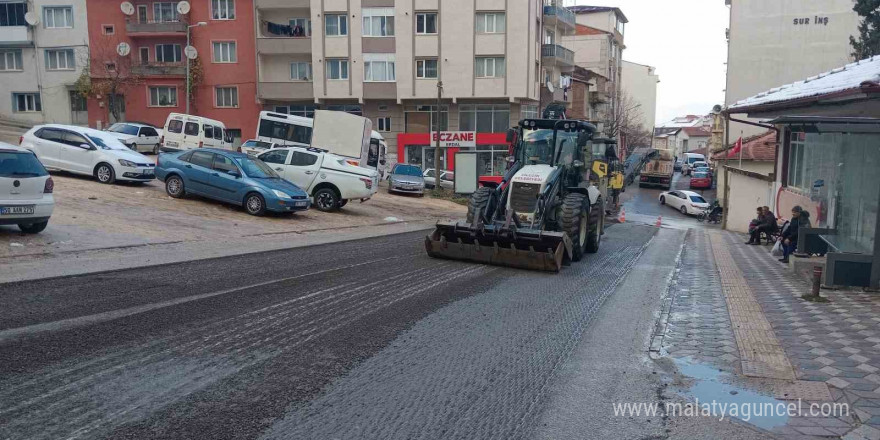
(677,165)
(185,132)
(700,179)
(330,179)
(136,136)
(706,170)
(447,179)
(82,150)
(686,202)
(406,179)
(255,147)
(26,189)
(230,177)
(689,160)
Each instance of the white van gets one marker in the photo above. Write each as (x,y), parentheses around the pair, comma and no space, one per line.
(689,159)
(185,132)
(296,131)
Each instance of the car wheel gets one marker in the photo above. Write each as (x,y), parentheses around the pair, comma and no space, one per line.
(683,210)
(156,149)
(105,174)
(326,200)
(662,200)
(174,187)
(255,204)
(33,228)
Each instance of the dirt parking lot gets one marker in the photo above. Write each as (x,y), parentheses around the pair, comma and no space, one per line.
(89,215)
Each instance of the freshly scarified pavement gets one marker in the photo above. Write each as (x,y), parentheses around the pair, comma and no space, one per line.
(360,339)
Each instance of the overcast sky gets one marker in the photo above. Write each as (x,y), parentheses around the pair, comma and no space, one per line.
(684,40)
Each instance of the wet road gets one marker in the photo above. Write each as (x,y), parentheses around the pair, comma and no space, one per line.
(643,206)
(360,339)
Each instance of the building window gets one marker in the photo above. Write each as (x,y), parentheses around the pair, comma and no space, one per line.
(224,52)
(423,118)
(337,69)
(304,26)
(108,29)
(335,25)
(12,14)
(165,12)
(77,102)
(484,118)
(489,67)
(10,60)
(528,111)
(379,68)
(492,160)
(145,55)
(227,96)
(60,59)
(348,108)
(109,66)
(27,102)
(163,96)
(426,69)
(168,53)
(223,9)
(301,71)
(378,22)
(56,17)
(426,23)
(383,124)
(490,22)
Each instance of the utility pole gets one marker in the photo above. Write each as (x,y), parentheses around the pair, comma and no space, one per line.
(437,170)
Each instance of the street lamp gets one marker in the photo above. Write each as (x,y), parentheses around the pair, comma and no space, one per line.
(201,23)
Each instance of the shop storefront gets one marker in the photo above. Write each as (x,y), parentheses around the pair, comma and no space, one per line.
(491,149)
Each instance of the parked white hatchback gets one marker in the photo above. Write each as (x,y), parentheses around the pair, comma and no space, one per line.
(686,202)
(136,136)
(26,189)
(86,151)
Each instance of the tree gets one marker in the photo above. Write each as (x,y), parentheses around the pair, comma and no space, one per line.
(868,43)
(106,73)
(625,120)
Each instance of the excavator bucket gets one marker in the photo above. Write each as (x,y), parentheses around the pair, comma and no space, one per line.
(499,245)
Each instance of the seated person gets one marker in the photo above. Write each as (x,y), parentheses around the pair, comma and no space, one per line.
(766,225)
(753,225)
(789,237)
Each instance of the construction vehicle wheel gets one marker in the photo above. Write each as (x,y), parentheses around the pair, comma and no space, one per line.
(576,223)
(478,202)
(597,221)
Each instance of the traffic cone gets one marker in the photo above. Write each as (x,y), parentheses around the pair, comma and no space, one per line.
(659,221)
(622,217)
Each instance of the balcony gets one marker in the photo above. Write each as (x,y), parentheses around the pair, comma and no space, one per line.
(554,54)
(599,98)
(557,96)
(160,69)
(559,17)
(284,45)
(156,28)
(15,36)
(286,90)
(283,4)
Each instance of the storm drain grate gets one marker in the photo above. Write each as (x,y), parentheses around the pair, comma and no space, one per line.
(803,390)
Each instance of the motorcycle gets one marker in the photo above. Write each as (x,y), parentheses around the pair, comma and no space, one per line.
(711,214)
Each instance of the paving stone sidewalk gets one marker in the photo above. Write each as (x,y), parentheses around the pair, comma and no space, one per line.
(835,343)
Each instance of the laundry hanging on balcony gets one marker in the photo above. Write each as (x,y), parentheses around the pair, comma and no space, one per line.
(279,29)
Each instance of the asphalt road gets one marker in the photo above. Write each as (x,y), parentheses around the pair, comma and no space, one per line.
(643,205)
(361,339)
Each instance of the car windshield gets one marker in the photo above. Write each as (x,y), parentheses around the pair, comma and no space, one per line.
(698,199)
(537,146)
(106,144)
(700,175)
(124,129)
(257,144)
(256,168)
(408,170)
(20,164)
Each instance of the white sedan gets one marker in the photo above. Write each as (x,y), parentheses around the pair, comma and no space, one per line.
(137,137)
(89,152)
(686,202)
(26,190)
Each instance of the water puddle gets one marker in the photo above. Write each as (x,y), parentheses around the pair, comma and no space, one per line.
(712,394)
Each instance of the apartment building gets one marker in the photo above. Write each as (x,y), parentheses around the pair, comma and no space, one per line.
(384,59)
(43,49)
(772,43)
(151,73)
(639,82)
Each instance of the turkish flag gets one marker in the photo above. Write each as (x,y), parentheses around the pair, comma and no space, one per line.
(737,147)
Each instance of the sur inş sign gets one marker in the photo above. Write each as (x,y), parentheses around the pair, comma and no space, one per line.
(815,20)
(459,139)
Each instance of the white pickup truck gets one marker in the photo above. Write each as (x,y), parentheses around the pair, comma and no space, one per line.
(328,178)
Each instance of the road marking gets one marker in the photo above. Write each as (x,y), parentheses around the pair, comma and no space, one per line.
(81,321)
(760,352)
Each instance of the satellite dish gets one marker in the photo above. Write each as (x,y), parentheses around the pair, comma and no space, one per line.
(716,109)
(190,52)
(551,87)
(183,7)
(123,49)
(127,8)
(31,18)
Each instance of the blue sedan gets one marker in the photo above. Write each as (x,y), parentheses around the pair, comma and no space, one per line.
(229,177)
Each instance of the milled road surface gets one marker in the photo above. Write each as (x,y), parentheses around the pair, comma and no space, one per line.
(361,339)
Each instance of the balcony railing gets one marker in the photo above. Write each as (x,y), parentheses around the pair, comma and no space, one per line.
(159,69)
(156,27)
(560,14)
(558,53)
